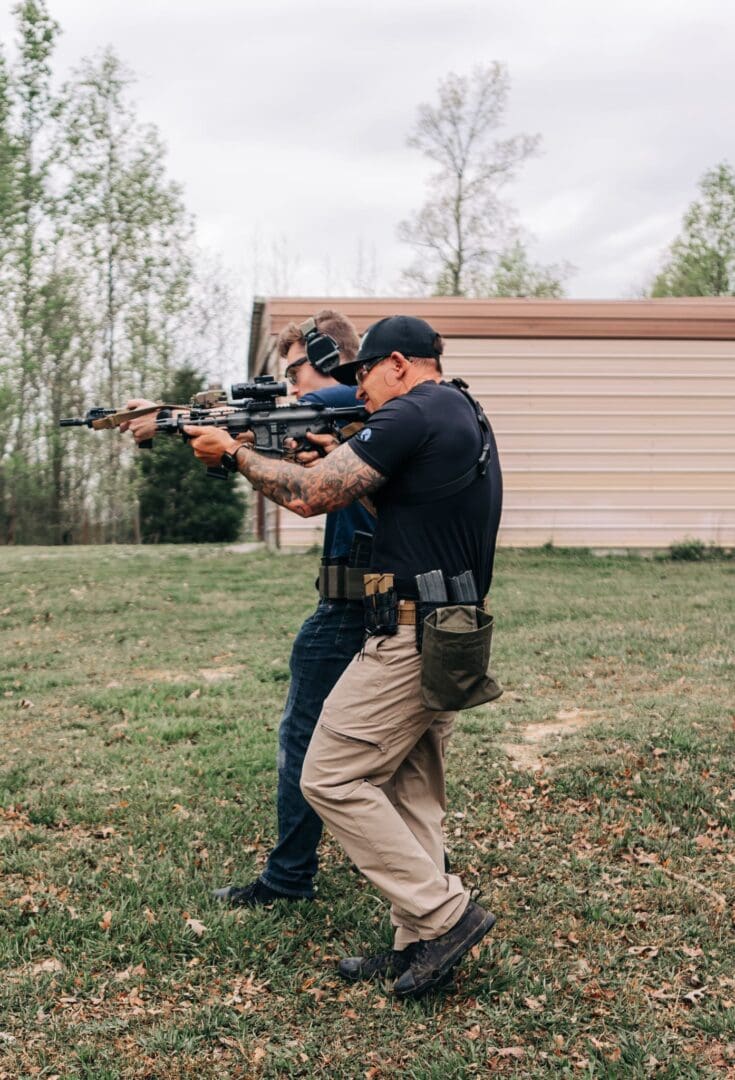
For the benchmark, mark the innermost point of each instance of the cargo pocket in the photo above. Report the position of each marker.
(348, 737)
(455, 659)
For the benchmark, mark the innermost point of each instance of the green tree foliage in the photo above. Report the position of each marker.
(179, 503)
(37, 33)
(8, 162)
(8, 157)
(101, 297)
(26, 118)
(701, 261)
(130, 234)
(515, 275)
(465, 228)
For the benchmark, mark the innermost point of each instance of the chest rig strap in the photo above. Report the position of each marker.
(479, 468)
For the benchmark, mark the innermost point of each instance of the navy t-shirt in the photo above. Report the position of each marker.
(341, 524)
(420, 441)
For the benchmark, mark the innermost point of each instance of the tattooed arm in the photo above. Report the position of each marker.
(334, 481)
(328, 444)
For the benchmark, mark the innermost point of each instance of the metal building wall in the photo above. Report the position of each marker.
(605, 442)
(609, 444)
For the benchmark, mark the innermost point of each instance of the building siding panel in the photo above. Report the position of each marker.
(619, 434)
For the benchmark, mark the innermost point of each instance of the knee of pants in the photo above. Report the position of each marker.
(321, 784)
(309, 785)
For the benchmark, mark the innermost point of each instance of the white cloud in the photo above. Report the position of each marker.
(288, 119)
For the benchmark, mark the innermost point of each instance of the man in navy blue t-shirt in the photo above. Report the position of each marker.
(323, 648)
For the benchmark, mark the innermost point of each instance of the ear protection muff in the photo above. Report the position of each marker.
(322, 351)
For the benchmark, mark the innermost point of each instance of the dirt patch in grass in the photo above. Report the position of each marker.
(537, 740)
(215, 675)
(207, 675)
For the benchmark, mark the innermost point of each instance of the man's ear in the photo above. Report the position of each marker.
(400, 364)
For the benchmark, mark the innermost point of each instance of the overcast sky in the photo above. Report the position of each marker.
(286, 119)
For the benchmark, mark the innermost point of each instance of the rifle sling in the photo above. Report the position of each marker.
(476, 470)
(115, 419)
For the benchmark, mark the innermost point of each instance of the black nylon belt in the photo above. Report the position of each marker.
(341, 582)
(409, 611)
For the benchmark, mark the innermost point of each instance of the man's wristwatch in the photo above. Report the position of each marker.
(228, 461)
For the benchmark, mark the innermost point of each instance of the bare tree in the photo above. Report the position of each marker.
(275, 265)
(364, 277)
(464, 225)
(214, 330)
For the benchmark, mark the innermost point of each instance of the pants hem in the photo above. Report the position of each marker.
(277, 887)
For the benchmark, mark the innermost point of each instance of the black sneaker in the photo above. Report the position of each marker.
(432, 961)
(256, 894)
(387, 965)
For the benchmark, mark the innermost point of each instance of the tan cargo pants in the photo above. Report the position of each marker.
(374, 772)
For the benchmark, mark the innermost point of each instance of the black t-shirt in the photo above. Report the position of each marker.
(420, 441)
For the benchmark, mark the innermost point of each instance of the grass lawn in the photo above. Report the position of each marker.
(593, 806)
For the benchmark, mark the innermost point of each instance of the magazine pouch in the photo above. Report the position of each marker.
(381, 604)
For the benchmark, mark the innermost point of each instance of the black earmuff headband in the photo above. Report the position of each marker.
(322, 351)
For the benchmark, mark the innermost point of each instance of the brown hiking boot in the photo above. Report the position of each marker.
(432, 961)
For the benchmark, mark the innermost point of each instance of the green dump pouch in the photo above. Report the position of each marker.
(455, 659)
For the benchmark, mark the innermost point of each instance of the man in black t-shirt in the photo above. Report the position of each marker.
(374, 771)
(422, 441)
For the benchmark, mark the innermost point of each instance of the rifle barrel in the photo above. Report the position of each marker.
(86, 421)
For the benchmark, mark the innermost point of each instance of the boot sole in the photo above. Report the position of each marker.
(387, 977)
(440, 975)
(377, 975)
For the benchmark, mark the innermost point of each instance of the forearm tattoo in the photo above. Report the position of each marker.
(337, 480)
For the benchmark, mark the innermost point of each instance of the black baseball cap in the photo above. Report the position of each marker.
(398, 333)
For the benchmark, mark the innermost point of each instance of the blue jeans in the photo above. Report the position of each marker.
(323, 648)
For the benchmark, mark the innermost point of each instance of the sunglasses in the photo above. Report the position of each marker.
(293, 368)
(363, 369)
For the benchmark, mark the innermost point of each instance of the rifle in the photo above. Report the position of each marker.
(271, 427)
(251, 406)
(263, 389)
(99, 418)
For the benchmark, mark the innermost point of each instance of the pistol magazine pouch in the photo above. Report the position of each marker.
(455, 659)
(381, 604)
